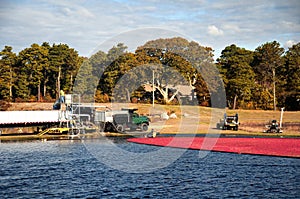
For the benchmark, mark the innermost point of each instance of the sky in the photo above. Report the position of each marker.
(92, 25)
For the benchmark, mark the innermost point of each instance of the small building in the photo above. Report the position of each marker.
(186, 93)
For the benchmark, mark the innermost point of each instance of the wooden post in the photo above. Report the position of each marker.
(281, 116)
(153, 88)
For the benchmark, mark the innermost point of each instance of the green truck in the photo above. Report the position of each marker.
(121, 121)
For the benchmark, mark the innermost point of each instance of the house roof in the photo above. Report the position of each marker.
(183, 89)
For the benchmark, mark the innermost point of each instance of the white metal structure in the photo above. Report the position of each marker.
(27, 117)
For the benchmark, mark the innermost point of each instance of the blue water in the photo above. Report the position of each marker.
(67, 169)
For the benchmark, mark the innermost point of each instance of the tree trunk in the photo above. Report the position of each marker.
(166, 96)
(173, 96)
(39, 91)
(274, 90)
(10, 84)
(234, 102)
(128, 94)
(162, 92)
(58, 82)
(45, 88)
(71, 83)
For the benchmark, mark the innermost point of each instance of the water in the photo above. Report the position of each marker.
(66, 169)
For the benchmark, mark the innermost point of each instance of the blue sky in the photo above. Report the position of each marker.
(87, 24)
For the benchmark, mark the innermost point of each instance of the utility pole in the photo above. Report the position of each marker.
(153, 97)
(274, 89)
(281, 116)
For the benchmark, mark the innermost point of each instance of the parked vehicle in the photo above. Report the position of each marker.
(121, 121)
(273, 127)
(229, 122)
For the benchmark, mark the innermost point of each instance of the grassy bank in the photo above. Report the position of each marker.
(199, 120)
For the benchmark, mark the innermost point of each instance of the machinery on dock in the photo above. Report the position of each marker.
(74, 117)
(229, 122)
(71, 117)
(55, 131)
(86, 116)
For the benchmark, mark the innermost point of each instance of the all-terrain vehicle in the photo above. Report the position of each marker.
(273, 127)
(229, 122)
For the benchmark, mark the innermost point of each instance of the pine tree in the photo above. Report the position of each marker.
(267, 63)
(7, 73)
(292, 77)
(237, 74)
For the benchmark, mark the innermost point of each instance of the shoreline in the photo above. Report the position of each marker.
(97, 135)
(192, 120)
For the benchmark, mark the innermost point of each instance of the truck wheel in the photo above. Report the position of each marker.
(109, 127)
(101, 126)
(120, 128)
(144, 127)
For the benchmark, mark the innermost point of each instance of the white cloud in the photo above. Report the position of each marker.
(84, 24)
(289, 43)
(84, 12)
(232, 28)
(213, 30)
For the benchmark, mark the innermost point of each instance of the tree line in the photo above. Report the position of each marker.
(266, 78)
(37, 73)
